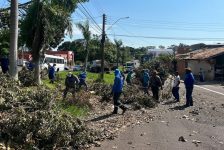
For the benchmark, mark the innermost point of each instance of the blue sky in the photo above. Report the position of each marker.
(198, 19)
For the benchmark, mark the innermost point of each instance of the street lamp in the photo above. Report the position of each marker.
(117, 21)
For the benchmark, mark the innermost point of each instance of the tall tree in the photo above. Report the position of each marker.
(84, 27)
(118, 44)
(13, 39)
(44, 26)
(162, 47)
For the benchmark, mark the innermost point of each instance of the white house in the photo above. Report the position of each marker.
(157, 52)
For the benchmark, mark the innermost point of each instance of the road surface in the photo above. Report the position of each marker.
(201, 126)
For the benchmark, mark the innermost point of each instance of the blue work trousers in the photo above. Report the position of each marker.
(175, 92)
(189, 99)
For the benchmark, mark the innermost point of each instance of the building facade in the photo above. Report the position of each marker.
(209, 61)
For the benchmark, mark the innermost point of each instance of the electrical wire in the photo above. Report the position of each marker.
(87, 17)
(169, 38)
(170, 22)
(88, 14)
(174, 28)
(84, 19)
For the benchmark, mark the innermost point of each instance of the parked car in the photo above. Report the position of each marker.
(96, 66)
(77, 68)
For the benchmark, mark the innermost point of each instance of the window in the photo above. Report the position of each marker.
(60, 61)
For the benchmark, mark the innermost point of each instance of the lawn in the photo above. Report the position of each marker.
(91, 77)
(72, 109)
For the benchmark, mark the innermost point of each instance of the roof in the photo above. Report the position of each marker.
(202, 54)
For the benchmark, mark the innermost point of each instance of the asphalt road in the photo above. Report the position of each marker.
(202, 125)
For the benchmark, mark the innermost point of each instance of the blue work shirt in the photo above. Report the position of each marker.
(189, 80)
(51, 71)
(118, 82)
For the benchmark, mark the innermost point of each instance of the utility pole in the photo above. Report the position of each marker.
(102, 47)
(13, 39)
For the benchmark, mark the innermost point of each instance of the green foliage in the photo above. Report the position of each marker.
(138, 52)
(163, 64)
(4, 20)
(4, 42)
(135, 96)
(84, 28)
(78, 48)
(102, 89)
(118, 43)
(33, 120)
(45, 23)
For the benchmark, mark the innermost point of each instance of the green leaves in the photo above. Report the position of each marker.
(52, 17)
(84, 27)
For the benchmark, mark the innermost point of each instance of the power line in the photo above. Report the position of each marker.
(20, 6)
(171, 22)
(129, 33)
(176, 28)
(89, 19)
(89, 15)
(83, 19)
(169, 38)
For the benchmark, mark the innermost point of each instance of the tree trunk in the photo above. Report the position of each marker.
(13, 40)
(87, 56)
(37, 71)
(36, 49)
(117, 57)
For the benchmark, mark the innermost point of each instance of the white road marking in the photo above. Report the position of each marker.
(209, 90)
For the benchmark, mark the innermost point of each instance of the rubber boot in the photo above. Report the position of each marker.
(124, 109)
(115, 110)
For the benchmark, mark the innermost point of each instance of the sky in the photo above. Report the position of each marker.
(160, 22)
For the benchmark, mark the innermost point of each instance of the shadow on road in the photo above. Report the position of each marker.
(170, 102)
(101, 117)
(178, 107)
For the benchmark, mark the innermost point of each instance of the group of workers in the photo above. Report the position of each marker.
(152, 82)
(148, 81)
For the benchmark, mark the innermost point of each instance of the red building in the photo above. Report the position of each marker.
(67, 55)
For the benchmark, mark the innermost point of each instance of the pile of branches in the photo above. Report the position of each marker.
(135, 96)
(131, 95)
(26, 77)
(103, 90)
(30, 119)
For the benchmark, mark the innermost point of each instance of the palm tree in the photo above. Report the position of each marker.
(84, 27)
(13, 39)
(118, 44)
